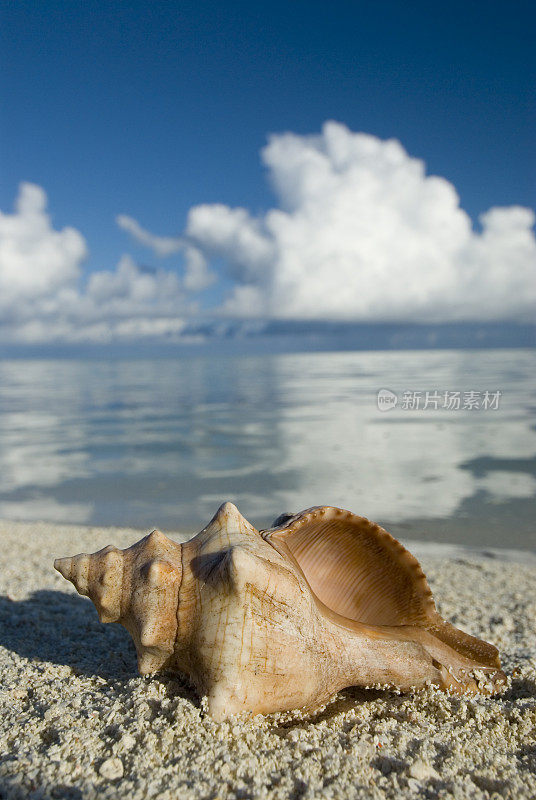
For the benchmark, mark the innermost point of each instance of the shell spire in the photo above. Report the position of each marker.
(137, 587)
(286, 617)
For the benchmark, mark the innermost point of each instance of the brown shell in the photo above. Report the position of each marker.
(283, 618)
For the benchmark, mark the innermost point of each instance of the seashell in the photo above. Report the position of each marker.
(280, 619)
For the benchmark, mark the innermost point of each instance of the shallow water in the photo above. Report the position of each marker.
(163, 442)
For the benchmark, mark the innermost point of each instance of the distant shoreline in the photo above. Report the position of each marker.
(228, 338)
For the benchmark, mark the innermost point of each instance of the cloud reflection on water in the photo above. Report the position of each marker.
(164, 442)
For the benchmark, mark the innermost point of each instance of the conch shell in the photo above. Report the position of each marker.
(265, 621)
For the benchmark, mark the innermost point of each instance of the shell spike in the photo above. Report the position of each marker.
(228, 517)
(64, 566)
(156, 539)
(98, 576)
(76, 570)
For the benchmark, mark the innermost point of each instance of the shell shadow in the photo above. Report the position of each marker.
(346, 700)
(61, 628)
(521, 689)
(64, 629)
(10, 789)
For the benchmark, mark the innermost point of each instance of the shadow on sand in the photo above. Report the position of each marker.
(64, 629)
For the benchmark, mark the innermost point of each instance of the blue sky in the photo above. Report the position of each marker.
(149, 110)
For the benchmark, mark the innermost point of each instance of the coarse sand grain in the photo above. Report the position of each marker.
(78, 722)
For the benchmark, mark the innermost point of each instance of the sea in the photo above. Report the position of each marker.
(435, 445)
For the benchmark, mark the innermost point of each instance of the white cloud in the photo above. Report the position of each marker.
(161, 245)
(361, 233)
(197, 276)
(42, 298)
(364, 234)
(232, 234)
(35, 260)
(196, 273)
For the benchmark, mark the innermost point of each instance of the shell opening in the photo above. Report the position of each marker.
(357, 569)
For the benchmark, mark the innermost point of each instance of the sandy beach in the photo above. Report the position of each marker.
(76, 721)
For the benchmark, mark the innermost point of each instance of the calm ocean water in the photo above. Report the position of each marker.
(163, 442)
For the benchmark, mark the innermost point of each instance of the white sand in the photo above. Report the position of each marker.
(76, 721)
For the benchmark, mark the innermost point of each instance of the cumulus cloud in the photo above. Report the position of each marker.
(362, 233)
(35, 260)
(231, 233)
(43, 297)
